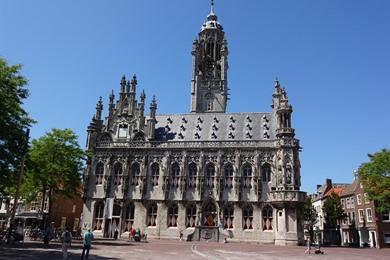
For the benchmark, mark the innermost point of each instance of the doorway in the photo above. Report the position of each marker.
(209, 214)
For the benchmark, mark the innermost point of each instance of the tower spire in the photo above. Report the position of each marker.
(212, 7)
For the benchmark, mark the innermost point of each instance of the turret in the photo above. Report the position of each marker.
(209, 90)
(151, 123)
(99, 108)
(141, 111)
(132, 101)
(283, 111)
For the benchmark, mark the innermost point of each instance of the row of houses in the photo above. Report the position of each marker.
(361, 227)
(66, 212)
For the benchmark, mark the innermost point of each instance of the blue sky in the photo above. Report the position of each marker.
(333, 57)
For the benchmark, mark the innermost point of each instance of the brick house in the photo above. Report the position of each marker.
(348, 227)
(374, 229)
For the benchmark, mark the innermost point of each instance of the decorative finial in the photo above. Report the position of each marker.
(212, 6)
(153, 104)
(112, 97)
(277, 82)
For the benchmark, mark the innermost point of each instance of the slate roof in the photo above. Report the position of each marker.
(215, 127)
(350, 188)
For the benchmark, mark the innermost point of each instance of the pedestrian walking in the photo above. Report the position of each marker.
(88, 237)
(66, 239)
(308, 246)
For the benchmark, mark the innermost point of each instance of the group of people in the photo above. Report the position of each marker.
(136, 235)
(66, 239)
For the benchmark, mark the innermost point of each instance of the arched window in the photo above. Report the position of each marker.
(99, 214)
(173, 212)
(175, 174)
(247, 176)
(228, 175)
(266, 172)
(192, 172)
(99, 172)
(210, 174)
(152, 215)
(129, 217)
(191, 215)
(228, 216)
(135, 174)
(155, 169)
(267, 218)
(116, 212)
(118, 174)
(247, 217)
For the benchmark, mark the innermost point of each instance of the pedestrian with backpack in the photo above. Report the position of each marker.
(66, 238)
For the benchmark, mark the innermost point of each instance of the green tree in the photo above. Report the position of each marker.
(309, 215)
(54, 166)
(333, 211)
(13, 122)
(375, 177)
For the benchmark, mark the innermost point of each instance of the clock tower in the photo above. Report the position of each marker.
(209, 90)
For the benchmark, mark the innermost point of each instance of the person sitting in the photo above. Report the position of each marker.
(132, 233)
(137, 235)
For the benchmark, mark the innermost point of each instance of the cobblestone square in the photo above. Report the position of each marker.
(168, 249)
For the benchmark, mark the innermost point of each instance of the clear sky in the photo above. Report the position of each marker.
(333, 57)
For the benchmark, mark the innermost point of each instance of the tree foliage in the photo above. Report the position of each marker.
(13, 121)
(309, 213)
(333, 211)
(375, 177)
(54, 165)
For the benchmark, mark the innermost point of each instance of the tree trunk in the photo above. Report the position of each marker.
(42, 206)
(48, 227)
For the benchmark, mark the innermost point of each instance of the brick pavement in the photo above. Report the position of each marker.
(170, 249)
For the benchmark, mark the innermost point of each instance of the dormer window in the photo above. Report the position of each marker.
(123, 131)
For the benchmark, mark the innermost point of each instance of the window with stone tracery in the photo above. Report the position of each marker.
(155, 172)
(210, 175)
(228, 176)
(152, 215)
(99, 173)
(247, 217)
(191, 216)
(118, 174)
(135, 174)
(99, 214)
(129, 217)
(267, 218)
(266, 172)
(175, 175)
(173, 212)
(192, 172)
(228, 217)
(247, 176)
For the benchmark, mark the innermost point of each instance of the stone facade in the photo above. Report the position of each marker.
(203, 173)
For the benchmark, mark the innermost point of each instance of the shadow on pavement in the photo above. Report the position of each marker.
(40, 251)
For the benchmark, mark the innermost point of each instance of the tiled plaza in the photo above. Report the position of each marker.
(173, 249)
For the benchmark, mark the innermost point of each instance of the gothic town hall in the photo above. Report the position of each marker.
(207, 174)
